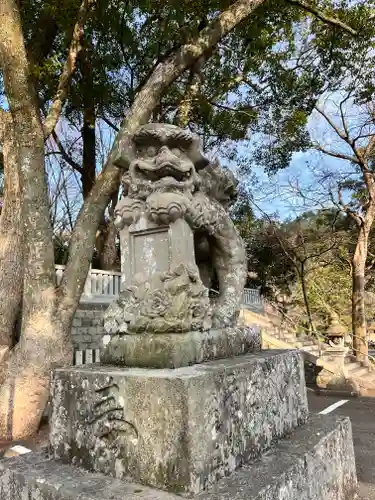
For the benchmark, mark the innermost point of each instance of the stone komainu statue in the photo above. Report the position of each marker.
(167, 177)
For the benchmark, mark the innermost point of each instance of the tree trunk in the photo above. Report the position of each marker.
(359, 325)
(11, 244)
(306, 298)
(108, 255)
(43, 344)
(106, 235)
(89, 156)
(89, 119)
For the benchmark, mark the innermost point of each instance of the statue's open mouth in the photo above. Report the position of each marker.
(165, 170)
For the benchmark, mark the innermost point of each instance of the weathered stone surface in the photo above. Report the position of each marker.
(315, 462)
(173, 213)
(35, 477)
(87, 327)
(173, 301)
(334, 374)
(178, 430)
(177, 350)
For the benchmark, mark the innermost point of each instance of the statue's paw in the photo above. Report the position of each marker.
(110, 326)
(223, 318)
(123, 327)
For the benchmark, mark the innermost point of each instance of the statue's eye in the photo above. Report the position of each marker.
(151, 151)
(176, 152)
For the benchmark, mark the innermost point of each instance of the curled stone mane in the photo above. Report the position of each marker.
(219, 183)
(159, 131)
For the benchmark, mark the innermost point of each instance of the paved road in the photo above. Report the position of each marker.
(362, 414)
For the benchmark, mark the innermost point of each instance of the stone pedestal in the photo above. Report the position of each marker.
(178, 430)
(333, 375)
(223, 430)
(179, 349)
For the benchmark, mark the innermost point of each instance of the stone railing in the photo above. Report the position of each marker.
(100, 287)
(252, 296)
(253, 300)
(104, 286)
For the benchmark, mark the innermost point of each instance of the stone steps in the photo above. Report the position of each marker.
(361, 376)
(368, 376)
(302, 472)
(359, 371)
(355, 365)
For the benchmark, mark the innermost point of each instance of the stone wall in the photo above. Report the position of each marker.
(87, 327)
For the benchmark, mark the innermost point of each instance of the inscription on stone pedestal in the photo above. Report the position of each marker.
(150, 251)
(106, 417)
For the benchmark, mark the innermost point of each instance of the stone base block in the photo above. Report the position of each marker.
(179, 430)
(335, 382)
(179, 349)
(315, 462)
(333, 374)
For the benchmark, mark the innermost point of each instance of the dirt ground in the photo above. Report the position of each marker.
(35, 443)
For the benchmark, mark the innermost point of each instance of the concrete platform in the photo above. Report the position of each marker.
(178, 430)
(314, 462)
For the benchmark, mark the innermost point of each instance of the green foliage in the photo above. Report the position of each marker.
(261, 82)
(314, 247)
(268, 266)
(256, 82)
(318, 246)
(329, 290)
(312, 60)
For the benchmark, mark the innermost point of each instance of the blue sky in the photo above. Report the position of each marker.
(280, 193)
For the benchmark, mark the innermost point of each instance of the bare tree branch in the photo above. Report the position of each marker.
(336, 154)
(343, 207)
(110, 123)
(334, 21)
(339, 132)
(371, 142)
(342, 114)
(69, 68)
(228, 108)
(69, 160)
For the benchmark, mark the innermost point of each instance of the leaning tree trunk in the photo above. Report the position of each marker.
(108, 254)
(359, 325)
(11, 245)
(43, 345)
